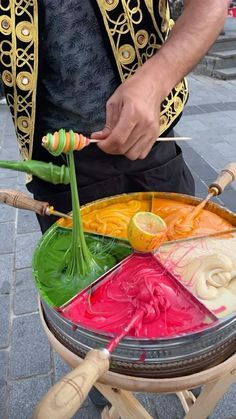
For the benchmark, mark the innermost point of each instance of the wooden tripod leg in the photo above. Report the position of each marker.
(110, 414)
(209, 397)
(124, 403)
(187, 399)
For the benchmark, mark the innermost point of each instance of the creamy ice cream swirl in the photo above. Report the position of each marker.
(214, 272)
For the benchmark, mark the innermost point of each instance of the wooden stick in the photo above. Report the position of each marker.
(92, 140)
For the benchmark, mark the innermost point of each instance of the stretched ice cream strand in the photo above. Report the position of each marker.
(78, 266)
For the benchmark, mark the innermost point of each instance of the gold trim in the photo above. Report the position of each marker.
(162, 8)
(163, 123)
(141, 38)
(24, 80)
(7, 78)
(110, 4)
(5, 25)
(149, 4)
(24, 124)
(13, 63)
(126, 54)
(24, 31)
(177, 103)
(35, 37)
(19, 66)
(171, 24)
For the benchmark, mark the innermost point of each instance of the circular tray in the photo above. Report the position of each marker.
(163, 358)
(180, 355)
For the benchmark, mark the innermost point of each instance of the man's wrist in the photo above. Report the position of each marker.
(160, 73)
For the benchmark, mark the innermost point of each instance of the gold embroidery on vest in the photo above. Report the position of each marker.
(124, 25)
(149, 4)
(143, 45)
(5, 24)
(19, 60)
(110, 4)
(164, 12)
(141, 38)
(162, 8)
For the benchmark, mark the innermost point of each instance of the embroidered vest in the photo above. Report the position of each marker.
(134, 33)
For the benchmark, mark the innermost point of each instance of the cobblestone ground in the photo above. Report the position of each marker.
(28, 366)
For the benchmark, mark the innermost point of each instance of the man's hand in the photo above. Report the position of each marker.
(132, 118)
(133, 111)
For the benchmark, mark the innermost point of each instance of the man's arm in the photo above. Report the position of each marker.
(191, 37)
(133, 111)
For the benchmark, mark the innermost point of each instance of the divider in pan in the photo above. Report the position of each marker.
(140, 282)
(182, 353)
(50, 257)
(44, 253)
(163, 357)
(207, 267)
(111, 216)
(141, 293)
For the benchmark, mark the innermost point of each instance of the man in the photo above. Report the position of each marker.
(107, 68)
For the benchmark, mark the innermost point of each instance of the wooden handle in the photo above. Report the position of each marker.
(226, 176)
(20, 200)
(65, 397)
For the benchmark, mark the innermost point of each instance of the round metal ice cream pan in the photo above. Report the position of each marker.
(162, 358)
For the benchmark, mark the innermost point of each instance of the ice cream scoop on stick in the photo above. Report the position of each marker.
(64, 141)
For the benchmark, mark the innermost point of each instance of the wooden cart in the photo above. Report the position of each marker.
(67, 395)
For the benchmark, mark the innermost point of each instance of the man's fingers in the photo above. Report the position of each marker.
(112, 117)
(141, 148)
(130, 137)
(129, 128)
(121, 138)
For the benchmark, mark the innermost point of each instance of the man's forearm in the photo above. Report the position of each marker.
(192, 35)
(133, 111)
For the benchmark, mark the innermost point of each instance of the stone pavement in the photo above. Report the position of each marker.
(210, 119)
(28, 366)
